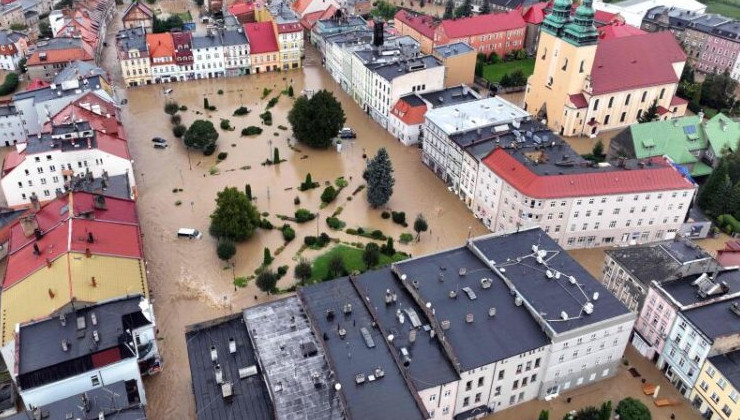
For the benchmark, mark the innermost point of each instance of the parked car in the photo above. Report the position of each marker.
(347, 133)
(167, 91)
(160, 145)
(159, 140)
(189, 233)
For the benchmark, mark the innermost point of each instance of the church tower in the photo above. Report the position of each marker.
(565, 54)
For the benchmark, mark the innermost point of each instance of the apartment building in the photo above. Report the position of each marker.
(133, 54)
(11, 14)
(12, 130)
(137, 15)
(717, 388)
(582, 85)
(162, 53)
(184, 57)
(290, 42)
(499, 33)
(634, 11)
(54, 55)
(459, 61)
(13, 48)
(49, 362)
(237, 60)
(264, 48)
(418, 26)
(208, 52)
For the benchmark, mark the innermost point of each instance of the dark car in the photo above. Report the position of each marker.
(159, 140)
(160, 145)
(347, 133)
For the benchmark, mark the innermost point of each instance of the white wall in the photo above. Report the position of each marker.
(440, 400)
(406, 134)
(207, 61)
(11, 130)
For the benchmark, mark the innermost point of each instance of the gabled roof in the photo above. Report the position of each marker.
(288, 27)
(91, 108)
(635, 61)
(160, 45)
(535, 13)
(421, 23)
(578, 100)
(261, 37)
(410, 109)
(61, 53)
(300, 6)
(241, 8)
(138, 6)
(722, 133)
(675, 138)
(618, 30)
(37, 84)
(482, 24)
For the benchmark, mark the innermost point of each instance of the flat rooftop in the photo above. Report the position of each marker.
(250, 396)
(47, 93)
(293, 362)
(728, 365)
(686, 293)
(561, 301)
(487, 339)
(117, 401)
(657, 261)
(401, 68)
(451, 96)
(716, 319)
(429, 366)
(456, 48)
(114, 186)
(371, 382)
(475, 114)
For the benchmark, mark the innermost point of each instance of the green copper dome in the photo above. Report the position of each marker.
(581, 30)
(558, 18)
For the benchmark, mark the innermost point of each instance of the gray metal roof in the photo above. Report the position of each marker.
(8, 37)
(47, 93)
(378, 397)
(716, 319)
(293, 360)
(115, 401)
(61, 43)
(728, 365)
(44, 143)
(412, 99)
(205, 41)
(234, 37)
(487, 339)
(77, 69)
(550, 297)
(114, 186)
(250, 397)
(130, 39)
(683, 291)
(7, 110)
(404, 67)
(40, 343)
(657, 261)
(456, 48)
(429, 365)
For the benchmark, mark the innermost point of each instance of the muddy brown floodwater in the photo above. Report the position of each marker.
(188, 282)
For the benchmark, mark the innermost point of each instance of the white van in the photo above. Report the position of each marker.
(189, 233)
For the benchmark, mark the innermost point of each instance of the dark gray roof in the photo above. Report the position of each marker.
(456, 48)
(728, 365)
(657, 261)
(450, 96)
(334, 24)
(130, 39)
(687, 294)
(206, 41)
(44, 143)
(485, 340)
(387, 397)
(361, 36)
(290, 355)
(429, 365)
(47, 93)
(401, 68)
(549, 297)
(8, 37)
(513, 4)
(250, 397)
(716, 319)
(40, 343)
(115, 401)
(412, 99)
(234, 37)
(7, 110)
(114, 186)
(61, 43)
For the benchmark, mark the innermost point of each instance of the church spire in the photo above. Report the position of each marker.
(558, 18)
(581, 30)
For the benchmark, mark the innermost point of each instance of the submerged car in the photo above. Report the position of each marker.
(347, 133)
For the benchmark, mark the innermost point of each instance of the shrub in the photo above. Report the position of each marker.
(388, 248)
(377, 234)
(206, 105)
(310, 240)
(329, 194)
(632, 409)
(220, 92)
(175, 119)
(266, 92)
(222, 156)
(225, 124)
(266, 117)
(251, 131)
(385, 215)
(209, 149)
(341, 182)
(225, 249)
(171, 108)
(406, 238)
(242, 110)
(179, 130)
(282, 270)
(272, 102)
(323, 240)
(265, 224)
(9, 85)
(728, 223)
(266, 257)
(288, 233)
(303, 216)
(212, 108)
(297, 201)
(183, 108)
(335, 223)
(266, 281)
(399, 218)
(290, 91)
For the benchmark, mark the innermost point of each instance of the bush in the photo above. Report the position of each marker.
(175, 119)
(406, 238)
(266, 257)
(282, 270)
(388, 248)
(222, 156)
(183, 108)
(209, 149)
(220, 92)
(385, 215)
(399, 218)
(266, 92)
(335, 223)
(242, 110)
(297, 201)
(179, 130)
(288, 233)
(225, 124)
(9, 85)
(251, 131)
(171, 108)
(323, 240)
(303, 216)
(341, 182)
(225, 249)
(728, 223)
(265, 224)
(266, 117)
(310, 240)
(266, 281)
(329, 194)
(212, 108)
(632, 409)
(272, 102)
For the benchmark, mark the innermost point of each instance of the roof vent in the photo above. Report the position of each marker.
(518, 301)
(572, 280)
(564, 315)
(412, 336)
(735, 308)
(347, 308)
(471, 294)
(415, 283)
(588, 308)
(549, 274)
(596, 296)
(379, 373)
(390, 297)
(232, 345)
(93, 318)
(453, 294)
(342, 333)
(492, 312)
(96, 336)
(462, 271)
(469, 318)
(445, 324)
(360, 378)
(214, 354)
(219, 374)
(63, 320)
(65, 345)
(485, 283)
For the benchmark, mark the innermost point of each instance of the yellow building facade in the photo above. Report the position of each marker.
(715, 393)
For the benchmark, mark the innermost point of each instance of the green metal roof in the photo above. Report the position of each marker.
(700, 169)
(676, 138)
(722, 132)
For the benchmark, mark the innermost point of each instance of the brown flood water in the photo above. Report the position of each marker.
(188, 282)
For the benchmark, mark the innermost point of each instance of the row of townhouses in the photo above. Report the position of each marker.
(422, 335)
(688, 322)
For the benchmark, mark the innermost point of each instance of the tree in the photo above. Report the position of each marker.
(449, 9)
(200, 134)
(22, 65)
(379, 178)
(248, 192)
(329, 194)
(371, 255)
(171, 108)
(632, 409)
(303, 271)
(465, 9)
(733, 202)
(606, 410)
(420, 225)
(486, 9)
(316, 121)
(45, 29)
(179, 130)
(225, 249)
(651, 114)
(267, 280)
(266, 257)
(385, 10)
(588, 413)
(422, 3)
(336, 265)
(290, 91)
(235, 217)
(276, 156)
(598, 149)
(544, 415)
(172, 22)
(718, 91)
(206, 105)
(479, 68)
(388, 249)
(713, 193)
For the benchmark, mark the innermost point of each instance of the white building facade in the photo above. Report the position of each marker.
(12, 127)
(208, 53)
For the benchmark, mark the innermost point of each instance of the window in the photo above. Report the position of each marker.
(703, 385)
(627, 100)
(715, 397)
(501, 375)
(95, 380)
(433, 397)
(721, 383)
(734, 396)
(727, 410)
(480, 382)
(536, 364)
(477, 397)
(468, 385)
(581, 70)
(644, 96)
(466, 401)
(515, 385)
(596, 105)
(519, 369)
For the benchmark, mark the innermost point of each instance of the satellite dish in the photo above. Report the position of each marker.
(403, 277)
(337, 386)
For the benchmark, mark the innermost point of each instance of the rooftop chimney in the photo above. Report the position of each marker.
(378, 33)
(29, 224)
(35, 202)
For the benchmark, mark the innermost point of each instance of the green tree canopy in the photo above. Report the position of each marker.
(371, 255)
(225, 249)
(200, 134)
(718, 91)
(588, 413)
(317, 121)
(384, 10)
(235, 217)
(379, 178)
(267, 280)
(336, 265)
(651, 114)
(714, 193)
(420, 225)
(464, 10)
(303, 271)
(632, 409)
(449, 10)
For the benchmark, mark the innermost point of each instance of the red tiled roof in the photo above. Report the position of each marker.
(409, 114)
(115, 231)
(535, 13)
(160, 45)
(309, 19)
(423, 24)
(578, 100)
(91, 108)
(300, 6)
(635, 61)
(12, 160)
(8, 49)
(286, 28)
(662, 110)
(241, 8)
(37, 84)
(482, 24)
(618, 30)
(116, 146)
(60, 56)
(728, 258)
(585, 184)
(137, 5)
(261, 37)
(602, 16)
(677, 100)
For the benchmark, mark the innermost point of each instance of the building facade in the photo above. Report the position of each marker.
(493, 33)
(717, 388)
(12, 127)
(133, 53)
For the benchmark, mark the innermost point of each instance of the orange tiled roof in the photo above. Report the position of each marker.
(160, 45)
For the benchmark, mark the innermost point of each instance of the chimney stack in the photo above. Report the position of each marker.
(88, 253)
(29, 224)
(378, 33)
(35, 204)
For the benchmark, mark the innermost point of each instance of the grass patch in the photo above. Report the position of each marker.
(494, 72)
(352, 261)
(729, 8)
